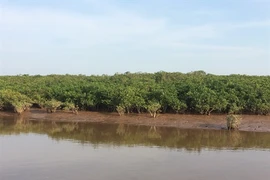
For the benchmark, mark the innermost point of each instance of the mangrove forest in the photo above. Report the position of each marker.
(161, 92)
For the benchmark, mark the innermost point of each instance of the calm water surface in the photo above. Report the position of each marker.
(88, 151)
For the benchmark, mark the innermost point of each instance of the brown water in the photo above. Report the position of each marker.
(88, 151)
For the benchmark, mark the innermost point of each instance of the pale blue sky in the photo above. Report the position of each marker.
(109, 36)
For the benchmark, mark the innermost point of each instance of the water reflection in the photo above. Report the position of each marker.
(121, 134)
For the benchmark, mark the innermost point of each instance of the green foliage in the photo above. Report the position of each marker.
(52, 105)
(120, 109)
(206, 100)
(10, 99)
(68, 106)
(178, 106)
(153, 108)
(264, 108)
(195, 92)
(169, 98)
(20, 107)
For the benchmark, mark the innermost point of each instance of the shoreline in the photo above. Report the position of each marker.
(251, 123)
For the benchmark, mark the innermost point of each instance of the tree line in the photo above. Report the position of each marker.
(195, 93)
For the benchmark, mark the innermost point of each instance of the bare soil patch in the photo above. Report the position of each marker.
(248, 123)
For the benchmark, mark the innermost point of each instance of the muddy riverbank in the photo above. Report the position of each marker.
(249, 122)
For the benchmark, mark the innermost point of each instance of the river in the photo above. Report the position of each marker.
(32, 150)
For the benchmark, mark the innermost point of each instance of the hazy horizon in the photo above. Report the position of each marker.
(95, 37)
(112, 74)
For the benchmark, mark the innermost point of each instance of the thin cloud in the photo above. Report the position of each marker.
(95, 29)
(46, 31)
(250, 24)
(260, 1)
(220, 48)
(205, 12)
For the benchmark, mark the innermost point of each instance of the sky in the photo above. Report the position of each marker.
(115, 36)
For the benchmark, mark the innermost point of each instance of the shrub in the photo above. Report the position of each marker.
(153, 108)
(10, 99)
(121, 110)
(52, 105)
(68, 106)
(233, 121)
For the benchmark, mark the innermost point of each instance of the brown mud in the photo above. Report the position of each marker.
(256, 123)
